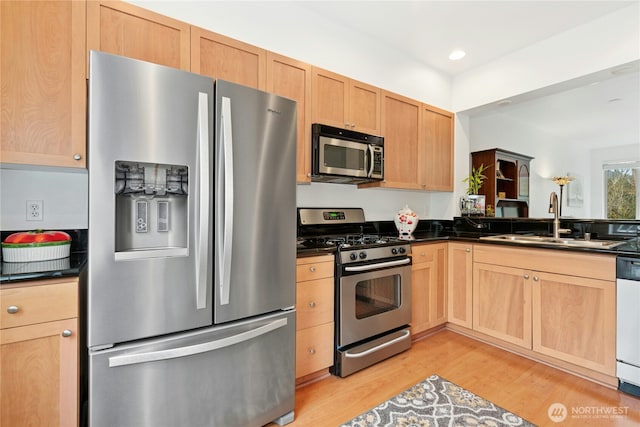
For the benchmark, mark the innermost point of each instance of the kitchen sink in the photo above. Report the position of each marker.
(561, 241)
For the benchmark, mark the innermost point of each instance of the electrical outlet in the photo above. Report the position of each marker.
(35, 210)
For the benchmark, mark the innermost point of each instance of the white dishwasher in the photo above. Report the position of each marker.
(628, 324)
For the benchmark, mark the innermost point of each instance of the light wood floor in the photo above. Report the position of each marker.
(517, 384)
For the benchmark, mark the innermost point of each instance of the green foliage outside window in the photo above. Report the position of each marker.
(621, 192)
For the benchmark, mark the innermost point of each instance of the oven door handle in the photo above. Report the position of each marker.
(404, 335)
(379, 265)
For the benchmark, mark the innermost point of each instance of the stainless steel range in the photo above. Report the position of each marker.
(372, 286)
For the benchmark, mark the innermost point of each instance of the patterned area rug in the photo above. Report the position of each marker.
(437, 402)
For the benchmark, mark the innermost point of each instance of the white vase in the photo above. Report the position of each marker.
(406, 221)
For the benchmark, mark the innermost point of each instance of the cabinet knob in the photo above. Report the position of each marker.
(312, 350)
(66, 333)
(312, 269)
(77, 156)
(536, 278)
(312, 304)
(12, 309)
(526, 276)
(467, 250)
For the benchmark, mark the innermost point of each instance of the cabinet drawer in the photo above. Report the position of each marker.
(27, 305)
(314, 269)
(314, 349)
(314, 302)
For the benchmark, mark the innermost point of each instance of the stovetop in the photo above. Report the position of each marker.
(347, 241)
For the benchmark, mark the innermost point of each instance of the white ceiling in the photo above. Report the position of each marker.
(429, 30)
(487, 30)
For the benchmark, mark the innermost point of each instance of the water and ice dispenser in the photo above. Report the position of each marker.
(151, 206)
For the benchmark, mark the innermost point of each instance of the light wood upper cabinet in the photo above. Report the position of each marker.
(43, 88)
(459, 284)
(224, 58)
(436, 149)
(345, 103)
(127, 30)
(574, 319)
(292, 79)
(428, 286)
(401, 131)
(39, 354)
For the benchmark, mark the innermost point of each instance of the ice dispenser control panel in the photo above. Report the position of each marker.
(151, 205)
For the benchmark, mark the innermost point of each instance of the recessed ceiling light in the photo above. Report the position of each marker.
(457, 54)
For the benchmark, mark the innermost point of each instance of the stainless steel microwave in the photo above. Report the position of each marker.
(345, 156)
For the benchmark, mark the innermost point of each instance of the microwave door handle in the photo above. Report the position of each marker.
(202, 223)
(226, 202)
(371, 162)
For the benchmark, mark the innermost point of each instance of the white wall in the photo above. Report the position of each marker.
(607, 42)
(64, 193)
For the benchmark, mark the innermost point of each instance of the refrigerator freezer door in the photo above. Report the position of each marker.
(255, 227)
(146, 117)
(235, 375)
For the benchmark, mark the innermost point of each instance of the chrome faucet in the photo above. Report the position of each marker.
(553, 208)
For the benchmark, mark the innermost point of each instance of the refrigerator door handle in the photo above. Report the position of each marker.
(202, 231)
(226, 156)
(174, 353)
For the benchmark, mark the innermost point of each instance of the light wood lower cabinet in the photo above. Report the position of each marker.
(562, 306)
(574, 320)
(428, 286)
(314, 319)
(39, 354)
(460, 284)
(502, 303)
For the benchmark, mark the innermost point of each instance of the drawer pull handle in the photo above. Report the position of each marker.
(12, 309)
(66, 333)
(312, 269)
(312, 350)
(77, 157)
(312, 304)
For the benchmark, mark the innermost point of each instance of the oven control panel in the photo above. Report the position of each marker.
(350, 256)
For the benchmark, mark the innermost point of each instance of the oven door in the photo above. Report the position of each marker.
(340, 157)
(373, 302)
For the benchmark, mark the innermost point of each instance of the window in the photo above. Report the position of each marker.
(622, 190)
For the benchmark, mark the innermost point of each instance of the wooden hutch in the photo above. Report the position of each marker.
(507, 185)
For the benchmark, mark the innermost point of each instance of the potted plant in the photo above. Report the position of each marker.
(474, 203)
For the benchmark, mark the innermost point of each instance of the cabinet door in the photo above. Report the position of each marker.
(459, 284)
(364, 108)
(428, 286)
(574, 320)
(39, 371)
(330, 92)
(224, 58)
(401, 130)
(436, 149)
(43, 91)
(292, 79)
(126, 30)
(502, 303)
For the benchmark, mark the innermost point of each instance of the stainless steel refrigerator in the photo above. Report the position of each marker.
(190, 283)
